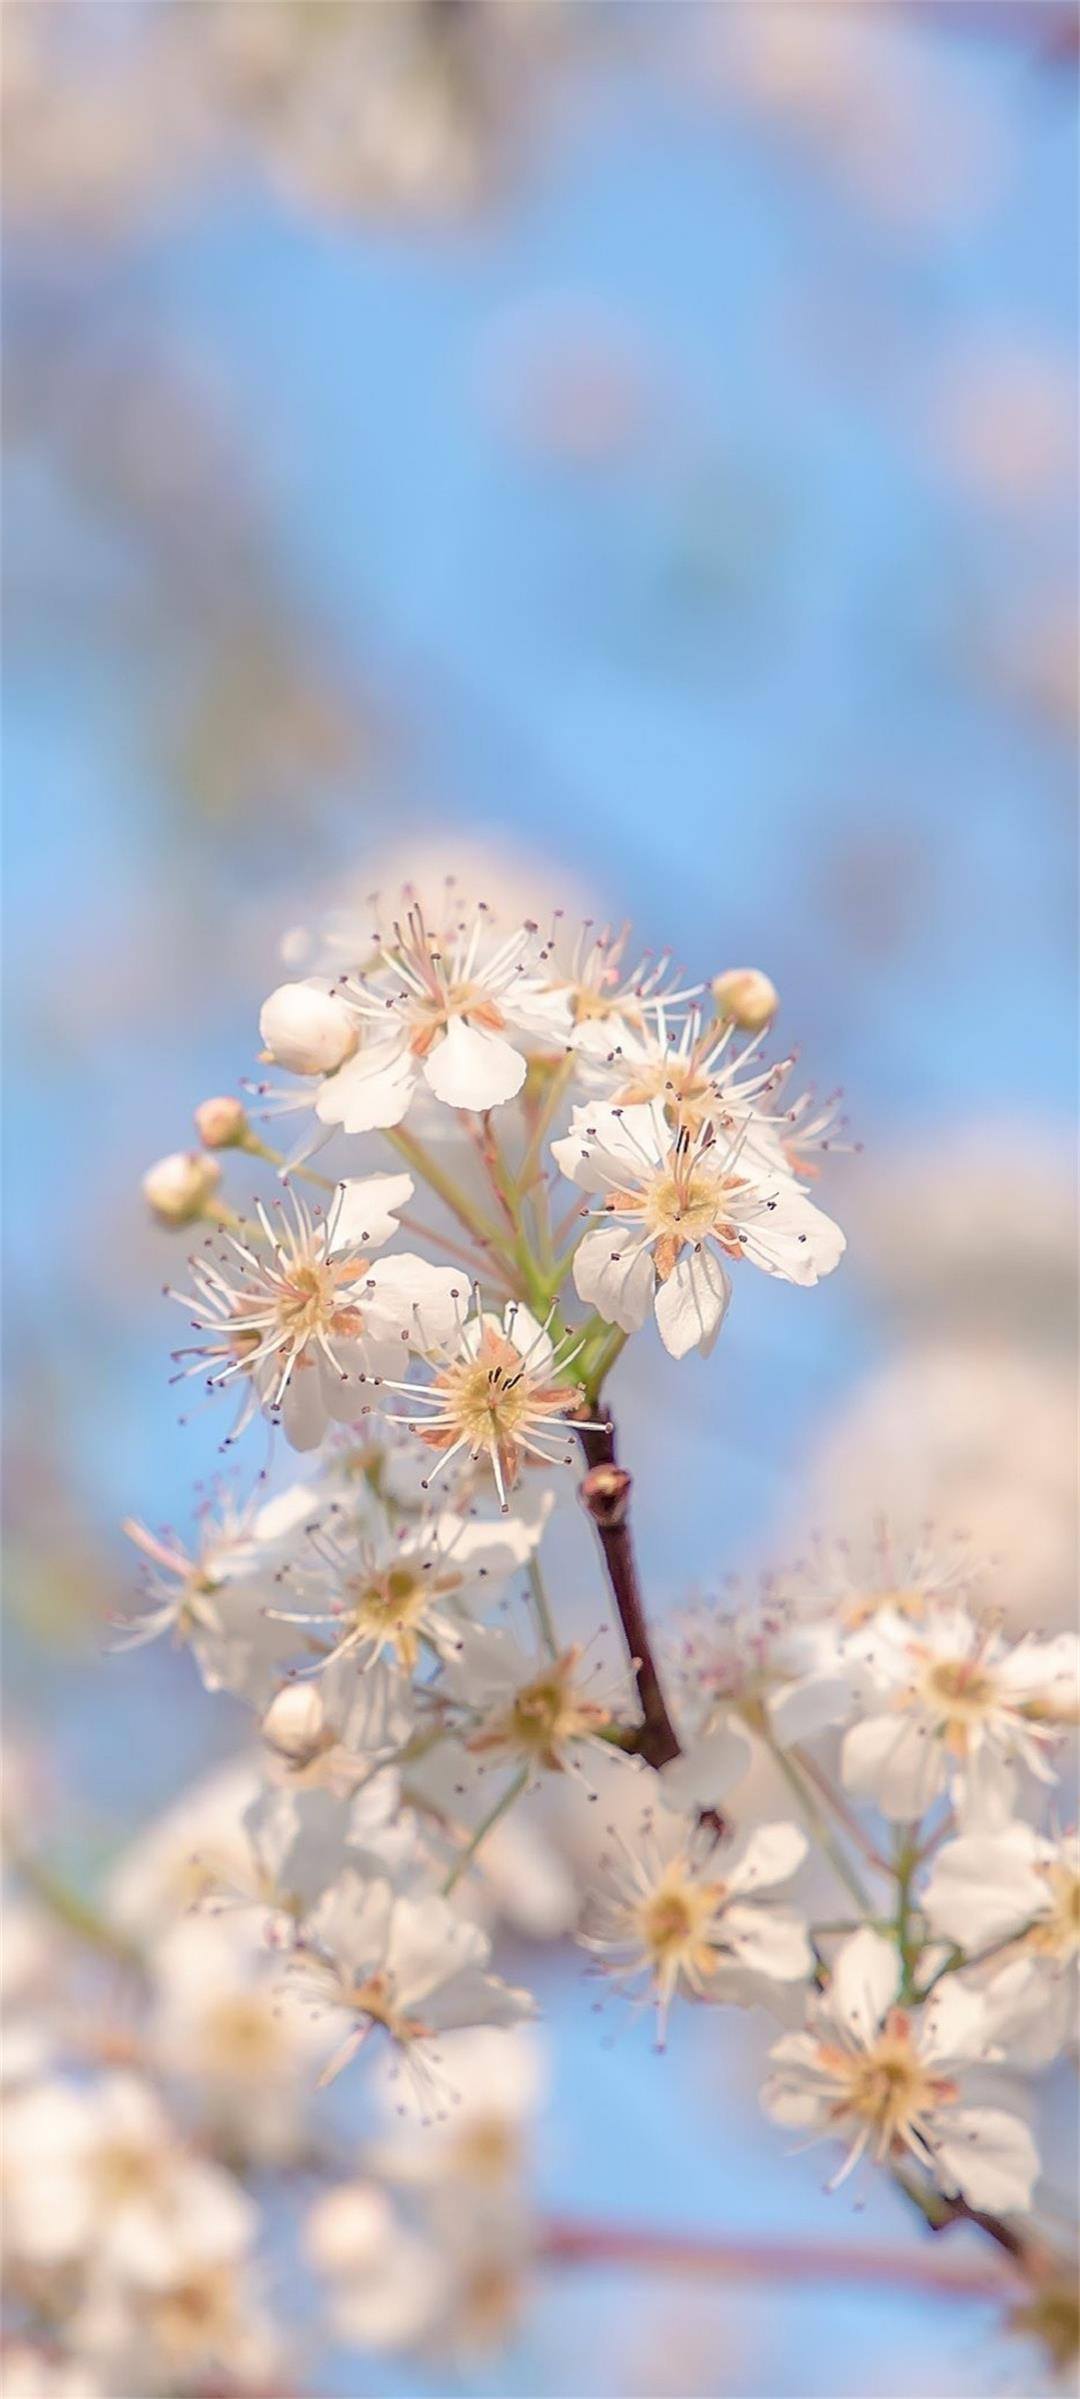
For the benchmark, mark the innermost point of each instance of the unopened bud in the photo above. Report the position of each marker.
(746, 997)
(306, 1030)
(177, 1189)
(221, 1124)
(295, 1721)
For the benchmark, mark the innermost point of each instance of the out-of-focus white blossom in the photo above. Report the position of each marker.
(373, 1959)
(1013, 1896)
(951, 1706)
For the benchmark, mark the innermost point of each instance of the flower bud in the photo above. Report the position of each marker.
(221, 1124)
(746, 997)
(306, 1030)
(178, 1187)
(295, 1721)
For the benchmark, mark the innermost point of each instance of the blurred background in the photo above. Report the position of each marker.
(628, 454)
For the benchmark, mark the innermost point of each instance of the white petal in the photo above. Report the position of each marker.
(865, 1979)
(406, 1295)
(889, 1760)
(372, 1091)
(988, 2156)
(469, 1068)
(364, 1212)
(707, 1768)
(429, 1943)
(984, 1887)
(614, 1278)
(798, 1242)
(303, 1406)
(772, 1854)
(802, 1710)
(607, 1147)
(771, 1941)
(956, 2025)
(691, 1305)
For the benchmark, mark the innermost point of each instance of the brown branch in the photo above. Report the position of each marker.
(605, 1496)
(574, 2244)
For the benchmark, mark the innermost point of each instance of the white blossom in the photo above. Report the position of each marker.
(97, 2174)
(452, 1009)
(764, 1669)
(676, 1205)
(951, 1706)
(532, 1714)
(674, 1910)
(1015, 1894)
(302, 1319)
(888, 2080)
(496, 1395)
(374, 1959)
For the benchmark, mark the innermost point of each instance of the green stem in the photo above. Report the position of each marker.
(593, 1372)
(528, 1170)
(417, 1155)
(253, 1147)
(904, 1864)
(487, 1823)
(542, 1604)
(69, 1909)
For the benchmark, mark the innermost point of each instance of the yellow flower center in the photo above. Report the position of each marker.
(962, 1695)
(375, 1999)
(677, 1923)
(886, 2087)
(197, 2315)
(124, 2170)
(1057, 1935)
(544, 1716)
(241, 2038)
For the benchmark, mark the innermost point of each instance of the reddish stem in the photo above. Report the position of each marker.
(574, 2244)
(605, 1494)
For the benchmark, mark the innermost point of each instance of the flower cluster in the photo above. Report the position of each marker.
(834, 1801)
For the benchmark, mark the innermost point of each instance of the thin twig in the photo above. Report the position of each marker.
(605, 1495)
(571, 2243)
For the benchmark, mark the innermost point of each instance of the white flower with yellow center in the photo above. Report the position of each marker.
(497, 1396)
(887, 2081)
(213, 1595)
(450, 1010)
(390, 1590)
(375, 1960)
(952, 1706)
(676, 1205)
(301, 1318)
(699, 1071)
(536, 1715)
(610, 1004)
(677, 1913)
(1015, 1893)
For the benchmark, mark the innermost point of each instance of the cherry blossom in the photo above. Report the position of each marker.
(888, 2080)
